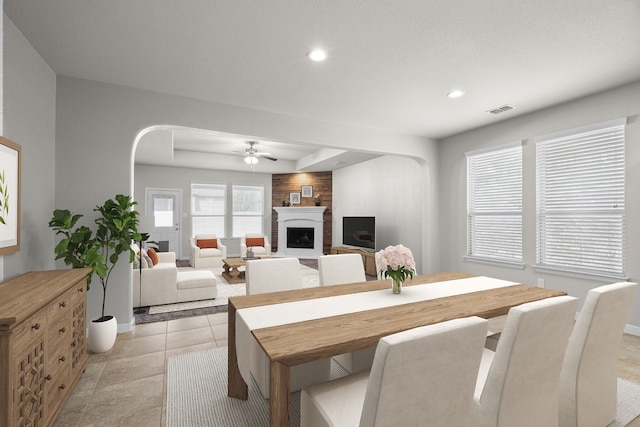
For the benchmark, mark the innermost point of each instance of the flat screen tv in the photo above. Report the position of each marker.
(359, 231)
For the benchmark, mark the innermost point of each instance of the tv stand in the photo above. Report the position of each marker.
(368, 257)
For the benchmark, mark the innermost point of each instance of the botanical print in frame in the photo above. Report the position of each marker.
(10, 169)
(307, 190)
(294, 198)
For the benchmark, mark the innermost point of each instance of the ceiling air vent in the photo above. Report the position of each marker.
(501, 109)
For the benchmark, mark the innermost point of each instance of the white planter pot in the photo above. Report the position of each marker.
(102, 335)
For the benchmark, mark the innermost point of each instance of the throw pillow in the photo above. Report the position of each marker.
(146, 260)
(136, 262)
(207, 243)
(255, 241)
(153, 255)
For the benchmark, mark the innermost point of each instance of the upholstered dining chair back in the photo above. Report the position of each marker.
(341, 268)
(588, 382)
(337, 270)
(420, 377)
(274, 275)
(518, 384)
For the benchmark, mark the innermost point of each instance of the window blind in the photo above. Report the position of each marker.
(248, 208)
(580, 200)
(208, 206)
(494, 204)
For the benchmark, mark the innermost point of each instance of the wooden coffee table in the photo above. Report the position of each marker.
(232, 272)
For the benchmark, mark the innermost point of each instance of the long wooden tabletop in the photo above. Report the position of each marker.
(296, 343)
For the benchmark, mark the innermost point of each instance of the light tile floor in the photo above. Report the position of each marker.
(127, 387)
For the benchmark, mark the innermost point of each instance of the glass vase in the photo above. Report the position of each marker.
(396, 286)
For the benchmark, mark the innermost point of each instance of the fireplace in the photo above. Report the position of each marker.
(300, 231)
(300, 237)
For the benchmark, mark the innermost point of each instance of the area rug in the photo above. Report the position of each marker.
(197, 395)
(161, 313)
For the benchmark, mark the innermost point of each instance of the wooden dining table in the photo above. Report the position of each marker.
(292, 344)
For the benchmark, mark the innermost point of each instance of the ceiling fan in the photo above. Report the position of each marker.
(251, 154)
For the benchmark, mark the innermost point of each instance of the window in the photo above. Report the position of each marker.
(208, 209)
(494, 204)
(580, 200)
(248, 209)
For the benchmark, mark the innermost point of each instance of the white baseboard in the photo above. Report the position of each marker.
(126, 327)
(632, 330)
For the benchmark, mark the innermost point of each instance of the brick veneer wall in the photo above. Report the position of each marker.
(283, 184)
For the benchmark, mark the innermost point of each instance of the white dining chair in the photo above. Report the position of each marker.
(422, 376)
(589, 379)
(274, 275)
(337, 270)
(518, 383)
(340, 269)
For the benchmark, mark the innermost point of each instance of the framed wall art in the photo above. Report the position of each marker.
(10, 170)
(294, 198)
(307, 191)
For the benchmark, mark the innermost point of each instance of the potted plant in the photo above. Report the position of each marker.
(117, 228)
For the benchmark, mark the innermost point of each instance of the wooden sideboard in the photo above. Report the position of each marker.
(368, 257)
(43, 347)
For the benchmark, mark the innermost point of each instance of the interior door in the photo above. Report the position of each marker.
(165, 205)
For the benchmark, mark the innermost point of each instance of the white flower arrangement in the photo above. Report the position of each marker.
(396, 262)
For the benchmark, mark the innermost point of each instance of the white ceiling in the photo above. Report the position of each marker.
(390, 65)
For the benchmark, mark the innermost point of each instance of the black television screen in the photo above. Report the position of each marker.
(359, 231)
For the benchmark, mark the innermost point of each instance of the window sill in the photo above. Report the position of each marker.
(496, 262)
(579, 274)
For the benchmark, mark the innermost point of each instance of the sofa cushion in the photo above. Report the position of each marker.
(255, 241)
(196, 279)
(153, 255)
(207, 253)
(207, 243)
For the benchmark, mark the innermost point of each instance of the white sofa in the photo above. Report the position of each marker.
(164, 284)
(208, 257)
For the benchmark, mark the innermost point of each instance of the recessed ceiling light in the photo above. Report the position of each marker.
(455, 93)
(317, 55)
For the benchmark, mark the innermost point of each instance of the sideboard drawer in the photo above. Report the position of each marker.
(59, 307)
(30, 329)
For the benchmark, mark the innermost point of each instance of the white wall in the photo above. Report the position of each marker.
(95, 130)
(389, 188)
(29, 120)
(181, 178)
(623, 101)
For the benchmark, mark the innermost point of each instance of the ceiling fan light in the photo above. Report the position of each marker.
(317, 55)
(251, 160)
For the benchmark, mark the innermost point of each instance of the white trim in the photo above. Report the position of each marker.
(494, 148)
(588, 128)
(578, 274)
(632, 330)
(496, 262)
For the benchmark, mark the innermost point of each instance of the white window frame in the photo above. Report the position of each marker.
(580, 201)
(197, 214)
(494, 205)
(258, 214)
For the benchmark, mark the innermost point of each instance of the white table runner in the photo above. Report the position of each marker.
(248, 319)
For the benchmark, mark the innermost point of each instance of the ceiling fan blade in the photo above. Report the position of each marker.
(269, 158)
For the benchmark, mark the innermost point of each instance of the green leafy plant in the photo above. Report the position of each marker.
(4, 198)
(117, 228)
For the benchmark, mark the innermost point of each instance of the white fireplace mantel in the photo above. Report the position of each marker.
(303, 216)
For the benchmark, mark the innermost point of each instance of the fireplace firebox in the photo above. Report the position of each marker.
(300, 237)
